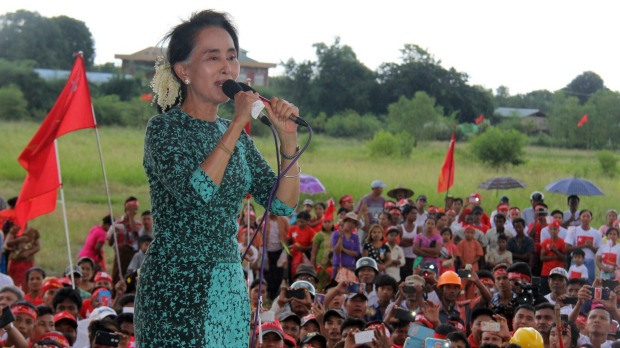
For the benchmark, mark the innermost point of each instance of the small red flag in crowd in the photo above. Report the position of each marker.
(583, 120)
(479, 119)
(72, 111)
(446, 177)
(147, 97)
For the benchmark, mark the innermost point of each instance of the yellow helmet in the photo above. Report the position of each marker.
(449, 277)
(528, 337)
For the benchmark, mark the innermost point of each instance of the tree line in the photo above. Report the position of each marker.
(416, 99)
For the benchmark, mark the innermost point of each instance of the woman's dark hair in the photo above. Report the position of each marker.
(323, 205)
(182, 38)
(106, 324)
(130, 199)
(35, 269)
(574, 331)
(107, 220)
(459, 336)
(446, 229)
(439, 216)
(342, 210)
(303, 215)
(128, 298)
(612, 229)
(407, 209)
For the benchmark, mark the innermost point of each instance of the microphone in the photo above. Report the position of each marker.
(293, 118)
(231, 88)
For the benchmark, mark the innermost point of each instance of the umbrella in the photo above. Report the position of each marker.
(502, 183)
(574, 186)
(310, 184)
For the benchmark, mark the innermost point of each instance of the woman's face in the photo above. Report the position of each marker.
(328, 225)
(585, 218)
(35, 281)
(611, 217)
(412, 216)
(212, 61)
(553, 338)
(376, 234)
(87, 271)
(318, 210)
(612, 235)
(429, 225)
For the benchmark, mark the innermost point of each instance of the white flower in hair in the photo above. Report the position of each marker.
(164, 85)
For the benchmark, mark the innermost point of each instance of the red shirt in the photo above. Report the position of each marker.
(302, 236)
(35, 301)
(546, 250)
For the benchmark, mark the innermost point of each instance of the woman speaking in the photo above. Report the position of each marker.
(199, 166)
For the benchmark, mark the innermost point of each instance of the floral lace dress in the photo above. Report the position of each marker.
(191, 291)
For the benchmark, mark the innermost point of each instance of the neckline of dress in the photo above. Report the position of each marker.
(192, 118)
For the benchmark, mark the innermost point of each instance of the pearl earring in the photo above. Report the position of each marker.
(187, 81)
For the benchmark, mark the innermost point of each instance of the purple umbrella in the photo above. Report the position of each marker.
(310, 184)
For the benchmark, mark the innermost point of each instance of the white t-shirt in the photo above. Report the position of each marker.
(396, 253)
(578, 271)
(610, 255)
(567, 309)
(492, 237)
(586, 340)
(544, 233)
(408, 251)
(579, 237)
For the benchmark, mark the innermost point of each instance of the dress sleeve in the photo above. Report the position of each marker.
(171, 163)
(263, 178)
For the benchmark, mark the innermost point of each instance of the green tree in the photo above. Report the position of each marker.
(584, 86)
(418, 116)
(13, 105)
(36, 91)
(50, 42)
(562, 121)
(499, 148)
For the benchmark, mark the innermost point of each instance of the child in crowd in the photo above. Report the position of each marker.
(449, 252)
(300, 238)
(578, 269)
(501, 255)
(396, 253)
(552, 253)
(470, 250)
(144, 241)
(607, 258)
(375, 248)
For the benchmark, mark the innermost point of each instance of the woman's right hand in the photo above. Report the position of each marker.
(243, 106)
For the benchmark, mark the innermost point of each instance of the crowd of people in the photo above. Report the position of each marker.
(380, 272)
(451, 273)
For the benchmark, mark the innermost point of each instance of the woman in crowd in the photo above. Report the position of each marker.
(88, 269)
(375, 247)
(346, 244)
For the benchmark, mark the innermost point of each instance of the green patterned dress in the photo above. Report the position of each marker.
(191, 291)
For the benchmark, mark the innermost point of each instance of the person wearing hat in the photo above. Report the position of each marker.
(49, 289)
(103, 279)
(306, 272)
(53, 339)
(309, 324)
(25, 317)
(528, 337)
(308, 205)
(272, 334)
(552, 254)
(528, 214)
(400, 192)
(558, 216)
(449, 286)
(332, 320)
(346, 244)
(347, 202)
(558, 283)
(366, 269)
(372, 203)
(291, 323)
(313, 340)
(65, 323)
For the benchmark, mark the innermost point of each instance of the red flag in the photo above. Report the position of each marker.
(446, 177)
(329, 211)
(583, 120)
(247, 128)
(479, 119)
(72, 111)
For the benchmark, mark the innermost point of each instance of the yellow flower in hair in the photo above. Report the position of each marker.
(164, 85)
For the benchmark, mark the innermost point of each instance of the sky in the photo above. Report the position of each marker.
(525, 45)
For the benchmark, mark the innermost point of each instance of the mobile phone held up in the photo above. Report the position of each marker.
(106, 338)
(464, 273)
(353, 288)
(7, 316)
(295, 293)
(404, 315)
(600, 294)
(364, 337)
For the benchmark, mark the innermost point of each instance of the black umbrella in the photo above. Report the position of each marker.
(502, 183)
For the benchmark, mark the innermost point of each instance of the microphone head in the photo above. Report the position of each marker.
(230, 88)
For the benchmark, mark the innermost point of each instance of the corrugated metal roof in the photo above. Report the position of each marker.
(518, 112)
(93, 77)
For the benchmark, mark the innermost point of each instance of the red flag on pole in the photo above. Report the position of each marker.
(583, 120)
(72, 111)
(446, 177)
(479, 119)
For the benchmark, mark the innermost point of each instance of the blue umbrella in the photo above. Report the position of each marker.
(574, 186)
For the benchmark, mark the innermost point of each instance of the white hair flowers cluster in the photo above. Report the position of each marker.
(164, 85)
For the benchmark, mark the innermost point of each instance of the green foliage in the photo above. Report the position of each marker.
(418, 116)
(36, 91)
(386, 144)
(14, 106)
(499, 148)
(124, 88)
(584, 86)
(608, 162)
(48, 41)
(351, 124)
(110, 110)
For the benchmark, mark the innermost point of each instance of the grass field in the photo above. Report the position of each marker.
(342, 165)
